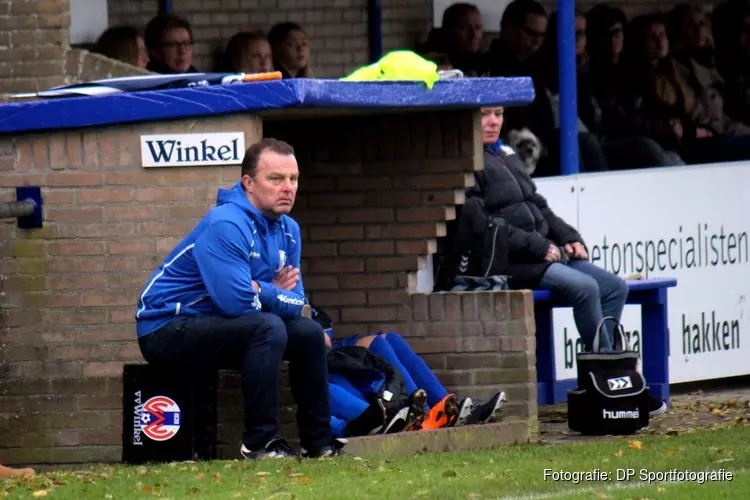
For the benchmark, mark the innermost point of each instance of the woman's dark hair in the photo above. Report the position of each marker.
(237, 46)
(160, 26)
(120, 43)
(276, 37)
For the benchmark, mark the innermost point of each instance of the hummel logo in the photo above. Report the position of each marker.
(619, 383)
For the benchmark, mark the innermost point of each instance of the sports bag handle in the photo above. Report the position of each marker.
(619, 333)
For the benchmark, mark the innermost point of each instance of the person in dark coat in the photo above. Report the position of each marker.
(543, 250)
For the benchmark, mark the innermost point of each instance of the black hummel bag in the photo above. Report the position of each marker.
(612, 396)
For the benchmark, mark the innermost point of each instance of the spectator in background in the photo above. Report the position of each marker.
(248, 52)
(123, 43)
(169, 40)
(516, 52)
(731, 30)
(291, 50)
(459, 37)
(693, 51)
(673, 115)
(618, 153)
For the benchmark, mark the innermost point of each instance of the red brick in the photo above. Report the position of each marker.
(420, 307)
(108, 333)
(437, 181)
(109, 298)
(73, 179)
(443, 197)
(369, 215)
(98, 369)
(106, 195)
(433, 345)
(420, 214)
(387, 297)
(335, 233)
(132, 212)
(362, 183)
(319, 250)
(416, 247)
(366, 248)
(76, 282)
(320, 282)
(361, 314)
(74, 214)
(341, 264)
(77, 248)
(74, 149)
(151, 194)
(404, 263)
(76, 317)
(413, 230)
(338, 200)
(108, 149)
(393, 198)
(453, 307)
(367, 281)
(348, 298)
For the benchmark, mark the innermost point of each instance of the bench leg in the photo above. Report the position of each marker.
(656, 345)
(545, 354)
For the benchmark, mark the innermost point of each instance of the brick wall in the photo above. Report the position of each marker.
(375, 195)
(69, 289)
(35, 52)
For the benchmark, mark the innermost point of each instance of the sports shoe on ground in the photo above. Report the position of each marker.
(464, 410)
(371, 421)
(409, 417)
(335, 449)
(656, 406)
(482, 412)
(278, 448)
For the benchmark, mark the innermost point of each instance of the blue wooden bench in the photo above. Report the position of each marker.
(651, 295)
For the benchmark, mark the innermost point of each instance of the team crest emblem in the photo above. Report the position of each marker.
(160, 418)
(282, 260)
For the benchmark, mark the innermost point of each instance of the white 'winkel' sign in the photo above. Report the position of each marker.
(190, 150)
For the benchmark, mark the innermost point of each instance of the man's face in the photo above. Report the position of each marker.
(468, 31)
(530, 37)
(274, 187)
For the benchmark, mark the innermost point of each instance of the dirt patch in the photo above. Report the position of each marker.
(688, 412)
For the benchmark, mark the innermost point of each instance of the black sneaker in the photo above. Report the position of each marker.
(483, 411)
(463, 412)
(278, 448)
(336, 449)
(656, 406)
(371, 421)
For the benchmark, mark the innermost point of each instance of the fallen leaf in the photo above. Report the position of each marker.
(635, 445)
(490, 476)
(41, 493)
(293, 474)
(147, 489)
(601, 494)
(449, 473)
(660, 489)
(193, 490)
(619, 453)
(141, 471)
(200, 476)
(670, 452)
(261, 473)
(304, 480)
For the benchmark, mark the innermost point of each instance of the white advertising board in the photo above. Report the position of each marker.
(683, 222)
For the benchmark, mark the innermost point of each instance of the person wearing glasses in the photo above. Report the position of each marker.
(169, 40)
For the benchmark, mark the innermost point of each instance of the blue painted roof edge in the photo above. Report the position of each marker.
(257, 97)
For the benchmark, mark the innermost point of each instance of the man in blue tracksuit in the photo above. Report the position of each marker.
(230, 296)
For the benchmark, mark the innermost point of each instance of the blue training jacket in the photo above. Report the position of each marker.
(211, 270)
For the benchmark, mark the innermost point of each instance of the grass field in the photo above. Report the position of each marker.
(506, 473)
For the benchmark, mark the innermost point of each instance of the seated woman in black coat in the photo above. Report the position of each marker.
(544, 251)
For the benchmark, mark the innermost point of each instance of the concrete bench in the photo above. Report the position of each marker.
(651, 295)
